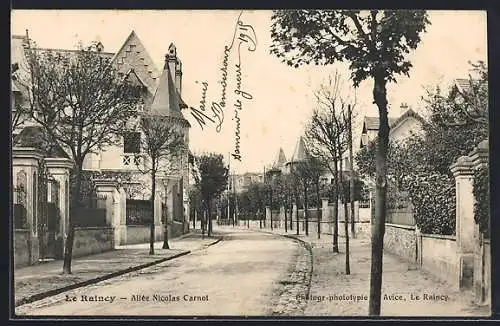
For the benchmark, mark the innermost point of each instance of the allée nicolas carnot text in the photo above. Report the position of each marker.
(138, 298)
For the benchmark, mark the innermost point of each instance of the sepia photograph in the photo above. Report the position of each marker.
(249, 163)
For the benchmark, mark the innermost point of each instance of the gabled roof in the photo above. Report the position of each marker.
(462, 84)
(133, 54)
(407, 114)
(372, 123)
(166, 100)
(14, 87)
(131, 74)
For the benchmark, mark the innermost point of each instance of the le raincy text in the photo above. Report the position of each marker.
(244, 34)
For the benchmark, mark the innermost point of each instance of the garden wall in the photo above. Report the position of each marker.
(439, 257)
(93, 240)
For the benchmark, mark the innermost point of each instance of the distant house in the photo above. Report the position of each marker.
(400, 128)
(240, 182)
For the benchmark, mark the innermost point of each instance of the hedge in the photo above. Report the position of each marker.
(481, 191)
(434, 204)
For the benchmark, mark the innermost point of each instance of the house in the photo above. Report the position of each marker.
(402, 127)
(240, 182)
(162, 94)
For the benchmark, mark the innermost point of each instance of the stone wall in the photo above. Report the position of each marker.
(21, 248)
(482, 274)
(400, 240)
(92, 240)
(364, 214)
(438, 256)
(133, 234)
(176, 229)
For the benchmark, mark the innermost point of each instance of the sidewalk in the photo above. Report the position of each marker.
(331, 288)
(36, 282)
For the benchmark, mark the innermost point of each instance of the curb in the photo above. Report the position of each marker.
(306, 245)
(46, 294)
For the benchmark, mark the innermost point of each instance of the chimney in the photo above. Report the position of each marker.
(403, 108)
(178, 76)
(172, 61)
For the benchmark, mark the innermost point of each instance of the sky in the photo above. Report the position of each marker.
(281, 97)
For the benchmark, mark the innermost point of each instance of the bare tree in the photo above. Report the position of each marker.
(81, 105)
(163, 142)
(324, 133)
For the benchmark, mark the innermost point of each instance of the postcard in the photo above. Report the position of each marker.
(250, 163)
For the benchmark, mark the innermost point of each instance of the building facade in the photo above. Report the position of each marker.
(162, 95)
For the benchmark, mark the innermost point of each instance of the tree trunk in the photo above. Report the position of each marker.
(297, 214)
(346, 230)
(378, 224)
(318, 211)
(203, 223)
(271, 210)
(209, 217)
(152, 229)
(306, 215)
(194, 219)
(286, 219)
(335, 208)
(165, 229)
(75, 205)
(346, 218)
(351, 169)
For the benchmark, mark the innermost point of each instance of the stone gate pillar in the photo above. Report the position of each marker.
(120, 216)
(463, 172)
(482, 275)
(294, 216)
(26, 159)
(268, 216)
(60, 168)
(106, 188)
(325, 213)
(281, 223)
(168, 184)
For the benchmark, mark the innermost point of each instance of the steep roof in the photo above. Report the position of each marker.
(300, 151)
(133, 54)
(166, 100)
(279, 161)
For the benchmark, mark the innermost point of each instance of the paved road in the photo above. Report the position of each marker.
(237, 276)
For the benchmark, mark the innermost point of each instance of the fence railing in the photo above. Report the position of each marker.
(139, 212)
(20, 218)
(91, 213)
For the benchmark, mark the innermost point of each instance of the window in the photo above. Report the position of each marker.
(132, 142)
